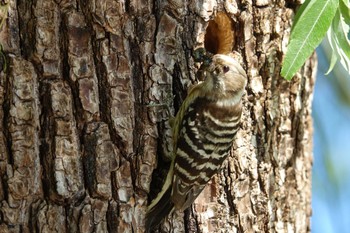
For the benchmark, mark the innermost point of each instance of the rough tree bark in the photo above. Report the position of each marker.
(82, 116)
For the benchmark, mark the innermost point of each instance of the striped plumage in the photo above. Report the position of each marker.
(203, 132)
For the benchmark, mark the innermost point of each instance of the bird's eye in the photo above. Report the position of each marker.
(226, 69)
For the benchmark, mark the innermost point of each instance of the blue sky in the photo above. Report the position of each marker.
(331, 171)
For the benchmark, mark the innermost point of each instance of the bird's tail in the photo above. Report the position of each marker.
(161, 206)
(159, 211)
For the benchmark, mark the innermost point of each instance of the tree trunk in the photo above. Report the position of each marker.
(85, 93)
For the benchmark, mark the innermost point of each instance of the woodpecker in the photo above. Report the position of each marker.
(203, 132)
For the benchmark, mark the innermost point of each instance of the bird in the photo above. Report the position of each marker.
(203, 132)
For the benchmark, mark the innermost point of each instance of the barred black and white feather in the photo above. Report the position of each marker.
(203, 133)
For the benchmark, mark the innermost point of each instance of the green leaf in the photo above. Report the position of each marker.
(334, 56)
(344, 7)
(308, 31)
(299, 13)
(338, 40)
